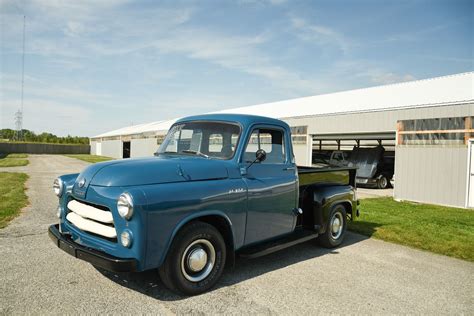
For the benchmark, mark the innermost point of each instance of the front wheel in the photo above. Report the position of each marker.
(382, 183)
(335, 228)
(195, 261)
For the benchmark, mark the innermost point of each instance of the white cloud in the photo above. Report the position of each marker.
(45, 115)
(263, 2)
(390, 77)
(233, 52)
(320, 34)
(103, 30)
(364, 71)
(37, 88)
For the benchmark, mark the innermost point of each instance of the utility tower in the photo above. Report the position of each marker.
(18, 125)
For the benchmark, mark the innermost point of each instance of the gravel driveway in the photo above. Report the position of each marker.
(363, 276)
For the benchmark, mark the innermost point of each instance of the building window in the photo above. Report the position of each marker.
(299, 134)
(447, 131)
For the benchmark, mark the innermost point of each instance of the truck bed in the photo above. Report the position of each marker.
(326, 175)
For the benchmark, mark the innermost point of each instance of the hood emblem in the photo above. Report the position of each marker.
(82, 183)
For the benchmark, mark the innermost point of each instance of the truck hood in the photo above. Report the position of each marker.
(154, 170)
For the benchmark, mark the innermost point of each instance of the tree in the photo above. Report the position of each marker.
(45, 137)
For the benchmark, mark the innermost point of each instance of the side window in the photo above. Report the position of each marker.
(272, 141)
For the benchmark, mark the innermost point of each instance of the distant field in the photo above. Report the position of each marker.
(12, 195)
(90, 158)
(13, 160)
(443, 230)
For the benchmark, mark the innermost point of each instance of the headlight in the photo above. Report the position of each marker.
(125, 205)
(126, 239)
(58, 187)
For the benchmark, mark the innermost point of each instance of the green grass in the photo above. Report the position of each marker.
(90, 158)
(439, 229)
(17, 156)
(12, 195)
(13, 160)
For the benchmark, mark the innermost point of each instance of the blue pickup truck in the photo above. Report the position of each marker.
(219, 186)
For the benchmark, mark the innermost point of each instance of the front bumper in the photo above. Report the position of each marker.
(366, 181)
(94, 257)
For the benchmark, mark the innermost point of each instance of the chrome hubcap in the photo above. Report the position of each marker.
(198, 260)
(336, 225)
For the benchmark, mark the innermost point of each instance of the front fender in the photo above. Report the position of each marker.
(68, 182)
(69, 179)
(190, 218)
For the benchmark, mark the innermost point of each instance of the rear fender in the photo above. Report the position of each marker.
(324, 200)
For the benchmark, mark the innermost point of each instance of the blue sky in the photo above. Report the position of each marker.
(94, 66)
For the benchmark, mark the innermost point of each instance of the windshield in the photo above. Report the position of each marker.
(206, 139)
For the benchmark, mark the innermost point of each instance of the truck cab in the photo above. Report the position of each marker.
(220, 185)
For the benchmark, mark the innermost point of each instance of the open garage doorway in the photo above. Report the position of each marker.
(372, 153)
(126, 149)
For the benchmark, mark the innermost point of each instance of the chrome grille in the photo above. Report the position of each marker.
(91, 219)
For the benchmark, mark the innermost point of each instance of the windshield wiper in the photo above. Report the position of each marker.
(189, 151)
(165, 152)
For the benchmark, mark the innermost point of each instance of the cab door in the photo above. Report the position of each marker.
(272, 185)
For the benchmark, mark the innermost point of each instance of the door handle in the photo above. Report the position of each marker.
(289, 168)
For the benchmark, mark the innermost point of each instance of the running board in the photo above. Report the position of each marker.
(277, 245)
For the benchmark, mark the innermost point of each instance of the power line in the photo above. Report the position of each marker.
(23, 63)
(19, 114)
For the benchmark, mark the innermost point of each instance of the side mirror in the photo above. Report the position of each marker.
(260, 155)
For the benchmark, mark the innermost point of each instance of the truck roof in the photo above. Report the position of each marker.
(244, 119)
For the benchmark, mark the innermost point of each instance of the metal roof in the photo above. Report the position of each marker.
(420, 93)
(438, 91)
(243, 119)
(159, 126)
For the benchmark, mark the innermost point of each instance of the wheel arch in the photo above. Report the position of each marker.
(326, 198)
(216, 218)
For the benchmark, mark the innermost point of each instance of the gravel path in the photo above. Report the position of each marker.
(364, 276)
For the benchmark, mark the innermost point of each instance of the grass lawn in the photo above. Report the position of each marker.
(90, 158)
(17, 156)
(443, 230)
(12, 195)
(13, 160)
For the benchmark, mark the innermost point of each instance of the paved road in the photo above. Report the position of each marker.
(364, 276)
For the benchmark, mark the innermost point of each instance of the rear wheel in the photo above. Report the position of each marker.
(195, 261)
(335, 229)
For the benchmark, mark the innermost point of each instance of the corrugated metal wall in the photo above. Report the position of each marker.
(143, 147)
(431, 174)
(112, 148)
(302, 156)
(436, 175)
(382, 121)
(93, 145)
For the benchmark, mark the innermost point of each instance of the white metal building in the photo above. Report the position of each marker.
(427, 124)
